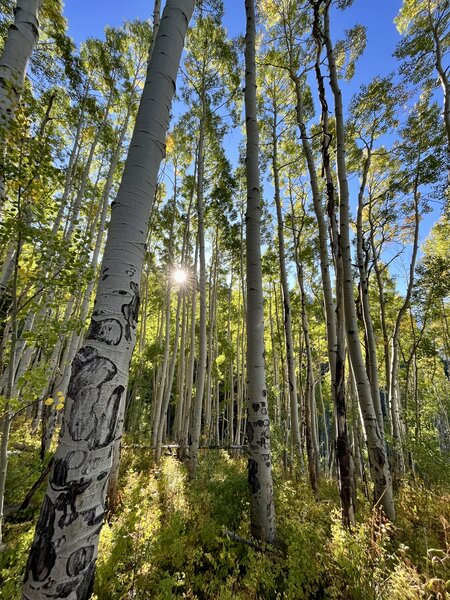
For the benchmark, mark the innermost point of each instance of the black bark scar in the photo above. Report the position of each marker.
(42, 554)
(253, 476)
(131, 311)
(90, 372)
(107, 331)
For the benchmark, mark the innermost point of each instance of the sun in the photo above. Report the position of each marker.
(180, 276)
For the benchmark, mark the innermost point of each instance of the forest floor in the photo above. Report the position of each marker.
(168, 538)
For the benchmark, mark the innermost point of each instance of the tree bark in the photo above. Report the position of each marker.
(398, 460)
(377, 451)
(196, 421)
(372, 360)
(20, 43)
(287, 318)
(64, 551)
(262, 511)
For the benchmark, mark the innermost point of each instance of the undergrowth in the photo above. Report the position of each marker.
(169, 540)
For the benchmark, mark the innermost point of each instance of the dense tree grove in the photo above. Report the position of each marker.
(224, 319)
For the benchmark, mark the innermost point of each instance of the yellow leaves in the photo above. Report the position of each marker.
(413, 10)
(59, 401)
(271, 11)
(170, 143)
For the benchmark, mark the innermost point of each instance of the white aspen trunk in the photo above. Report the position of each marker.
(196, 421)
(8, 265)
(287, 318)
(181, 374)
(364, 294)
(230, 412)
(262, 510)
(86, 170)
(240, 351)
(62, 558)
(163, 374)
(383, 320)
(335, 320)
(184, 440)
(377, 451)
(325, 424)
(333, 311)
(275, 367)
(20, 43)
(217, 415)
(283, 368)
(170, 377)
(22, 38)
(74, 155)
(398, 460)
(22, 356)
(330, 309)
(211, 350)
(239, 376)
(442, 72)
(8, 416)
(314, 417)
(310, 412)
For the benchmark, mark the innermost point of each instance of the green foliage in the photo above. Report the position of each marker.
(168, 539)
(13, 559)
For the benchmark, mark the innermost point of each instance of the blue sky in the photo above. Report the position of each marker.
(89, 17)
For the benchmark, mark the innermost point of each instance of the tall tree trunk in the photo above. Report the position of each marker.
(287, 318)
(239, 374)
(333, 312)
(383, 319)
(230, 411)
(181, 377)
(22, 38)
(442, 72)
(377, 451)
(262, 510)
(311, 443)
(212, 320)
(371, 346)
(64, 551)
(196, 421)
(335, 320)
(20, 43)
(7, 418)
(398, 465)
(159, 391)
(169, 385)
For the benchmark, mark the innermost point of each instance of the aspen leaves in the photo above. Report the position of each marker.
(59, 401)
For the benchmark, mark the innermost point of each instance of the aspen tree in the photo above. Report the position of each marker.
(376, 447)
(262, 509)
(64, 551)
(20, 43)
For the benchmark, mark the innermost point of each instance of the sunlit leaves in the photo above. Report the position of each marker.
(349, 50)
(424, 25)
